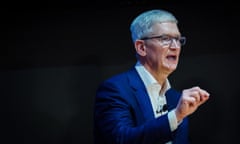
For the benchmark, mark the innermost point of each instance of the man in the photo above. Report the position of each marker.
(139, 106)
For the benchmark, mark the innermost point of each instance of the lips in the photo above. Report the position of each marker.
(172, 57)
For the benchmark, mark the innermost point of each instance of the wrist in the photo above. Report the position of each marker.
(179, 116)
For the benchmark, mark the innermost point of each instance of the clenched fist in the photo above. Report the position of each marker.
(190, 100)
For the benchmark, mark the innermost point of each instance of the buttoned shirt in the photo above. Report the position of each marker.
(156, 94)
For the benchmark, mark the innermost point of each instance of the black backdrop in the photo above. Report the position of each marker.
(58, 52)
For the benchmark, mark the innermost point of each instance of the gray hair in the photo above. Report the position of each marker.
(142, 24)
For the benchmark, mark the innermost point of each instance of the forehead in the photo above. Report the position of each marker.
(165, 28)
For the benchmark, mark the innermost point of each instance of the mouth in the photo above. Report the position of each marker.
(171, 57)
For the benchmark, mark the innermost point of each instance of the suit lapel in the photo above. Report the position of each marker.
(140, 94)
(142, 97)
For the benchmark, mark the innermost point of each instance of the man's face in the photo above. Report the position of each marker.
(162, 53)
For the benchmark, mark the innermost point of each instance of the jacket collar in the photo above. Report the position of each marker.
(140, 93)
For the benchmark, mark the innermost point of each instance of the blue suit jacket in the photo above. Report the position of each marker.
(123, 114)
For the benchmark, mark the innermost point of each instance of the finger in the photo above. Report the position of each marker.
(196, 88)
(196, 96)
(204, 95)
(190, 100)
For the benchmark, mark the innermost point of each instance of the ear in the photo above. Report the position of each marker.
(140, 47)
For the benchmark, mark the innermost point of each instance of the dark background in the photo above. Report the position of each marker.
(58, 51)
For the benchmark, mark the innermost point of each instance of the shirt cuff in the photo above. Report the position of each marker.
(172, 120)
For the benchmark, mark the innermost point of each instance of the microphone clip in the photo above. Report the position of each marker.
(161, 108)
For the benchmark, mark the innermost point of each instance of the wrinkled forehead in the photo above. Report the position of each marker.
(168, 28)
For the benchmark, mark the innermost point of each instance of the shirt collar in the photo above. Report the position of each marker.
(149, 80)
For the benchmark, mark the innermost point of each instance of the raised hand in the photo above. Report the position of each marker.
(190, 100)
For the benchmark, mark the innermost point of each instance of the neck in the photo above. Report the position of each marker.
(160, 77)
(159, 74)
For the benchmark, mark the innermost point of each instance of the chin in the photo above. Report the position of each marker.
(171, 68)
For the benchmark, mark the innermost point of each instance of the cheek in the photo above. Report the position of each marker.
(162, 53)
(159, 58)
(158, 54)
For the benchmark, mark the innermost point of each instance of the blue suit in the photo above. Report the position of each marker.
(123, 114)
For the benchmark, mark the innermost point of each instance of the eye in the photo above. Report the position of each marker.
(165, 38)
